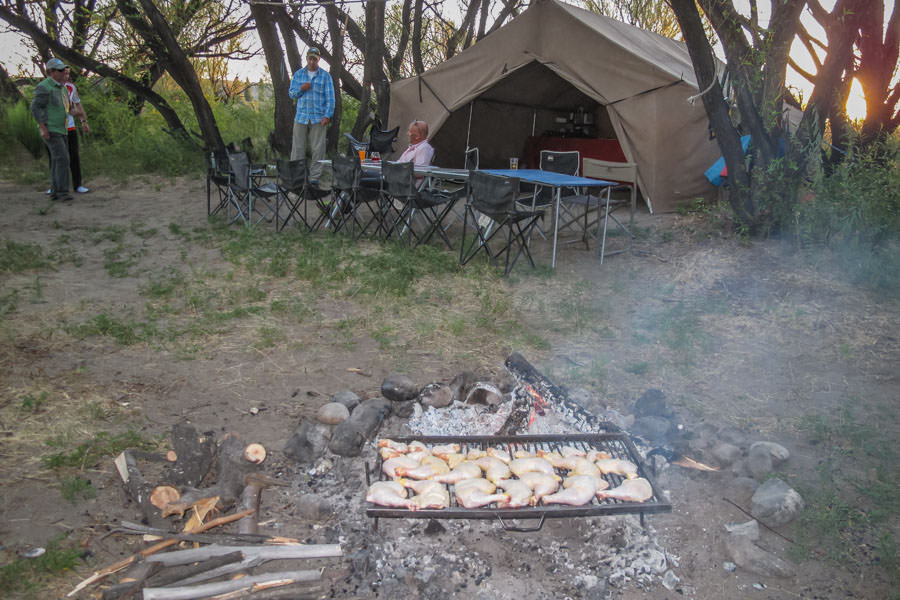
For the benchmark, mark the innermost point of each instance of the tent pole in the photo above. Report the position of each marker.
(469, 128)
(533, 122)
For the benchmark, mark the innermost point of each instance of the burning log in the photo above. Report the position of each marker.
(537, 392)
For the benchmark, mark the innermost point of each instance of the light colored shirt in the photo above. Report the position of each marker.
(74, 99)
(315, 103)
(420, 154)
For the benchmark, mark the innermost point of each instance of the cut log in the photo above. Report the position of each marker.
(162, 495)
(255, 453)
(137, 488)
(250, 498)
(222, 587)
(194, 456)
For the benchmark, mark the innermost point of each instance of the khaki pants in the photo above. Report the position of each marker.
(315, 132)
(59, 166)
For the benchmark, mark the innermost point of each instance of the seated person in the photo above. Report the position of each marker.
(419, 153)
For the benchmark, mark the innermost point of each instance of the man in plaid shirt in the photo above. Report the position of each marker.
(311, 87)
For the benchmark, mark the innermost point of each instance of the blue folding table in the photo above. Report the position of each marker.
(557, 181)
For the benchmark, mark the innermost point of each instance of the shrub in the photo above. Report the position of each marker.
(23, 128)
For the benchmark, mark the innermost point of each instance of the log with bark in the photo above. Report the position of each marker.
(194, 455)
(138, 488)
(252, 582)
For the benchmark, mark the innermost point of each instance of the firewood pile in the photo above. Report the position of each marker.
(198, 559)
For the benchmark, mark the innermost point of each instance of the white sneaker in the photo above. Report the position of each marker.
(49, 192)
(82, 190)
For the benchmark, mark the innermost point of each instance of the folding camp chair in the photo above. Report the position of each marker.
(295, 194)
(427, 206)
(218, 174)
(239, 205)
(350, 199)
(626, 176)
(495, 197)
(380, 141)
(569, 163)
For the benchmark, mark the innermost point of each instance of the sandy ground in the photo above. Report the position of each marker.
(771, 338)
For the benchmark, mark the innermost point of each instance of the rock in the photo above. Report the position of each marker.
(398, 387)
(760, 463)
(725, 453)
(749, 530)
(306, 444)
(313, 508)
(349, 436)
(404, 410)
(484, 393)
(651, 404)
(347, 398)
(611, 415)
(332, 413)
(778, 452)
(751, 557)
(461, 384)
(732, 435)
(670, 580)
(654, 429)
(437, 395)
(775, 503)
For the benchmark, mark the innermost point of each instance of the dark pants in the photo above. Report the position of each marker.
(59, 166)
(74, 160)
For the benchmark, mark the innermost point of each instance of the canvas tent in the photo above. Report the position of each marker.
(551, 60)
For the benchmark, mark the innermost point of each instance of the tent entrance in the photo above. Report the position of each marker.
(532, 100)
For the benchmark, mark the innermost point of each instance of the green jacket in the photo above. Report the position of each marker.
(51, 105)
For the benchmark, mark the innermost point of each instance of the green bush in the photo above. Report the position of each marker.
(23, 128)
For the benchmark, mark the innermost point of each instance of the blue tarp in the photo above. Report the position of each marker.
(714, 173)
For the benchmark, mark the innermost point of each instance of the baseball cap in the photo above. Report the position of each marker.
(54, 64)
(313, 52)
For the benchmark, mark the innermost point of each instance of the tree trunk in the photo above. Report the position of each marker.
(181, 70)
(337, 62)
(8, 89)
(281, 137)
(374, 54)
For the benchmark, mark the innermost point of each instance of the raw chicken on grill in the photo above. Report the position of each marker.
(556, 459)
(472, 493)
(617, 466)
(541, 484)
(494, 468)
(389, 493)
(429, 467)
(465, 470)
(474, 453)
(576, 465)
(631, 490)
(399, 447)
(527, 465)
(452, 458)
(430, 494)
(522, 453)
(567, 451)
(499, 454)
(519, 493)
(403, 461)
(595, 455)
(579, 490)
(445, 449)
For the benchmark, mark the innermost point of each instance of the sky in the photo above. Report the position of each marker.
(16, 57)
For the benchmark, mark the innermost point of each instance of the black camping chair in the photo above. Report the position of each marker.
(430, 207)
(381, 141)
(295, 194)
(350, 199)
(239, 205)
(218, 175)
(495, 197)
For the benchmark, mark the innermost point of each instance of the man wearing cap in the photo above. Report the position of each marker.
(311, 87)
(50, 108)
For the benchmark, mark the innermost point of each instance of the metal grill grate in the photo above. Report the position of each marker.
(616, 444)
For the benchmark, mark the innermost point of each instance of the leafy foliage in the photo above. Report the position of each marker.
(23, 128)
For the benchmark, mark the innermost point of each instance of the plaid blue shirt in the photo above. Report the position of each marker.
(317, 102)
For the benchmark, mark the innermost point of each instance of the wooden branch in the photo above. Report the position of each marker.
(137, 487)
(181, 572)
(221, 587)
(131, 582)
(181, 557)
(116, 567)
(207, 538)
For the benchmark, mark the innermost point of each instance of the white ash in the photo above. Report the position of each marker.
(459, 419)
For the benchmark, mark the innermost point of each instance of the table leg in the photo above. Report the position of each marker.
(556, 225)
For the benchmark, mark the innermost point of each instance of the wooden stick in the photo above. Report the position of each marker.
(221, 587)
(207, 538)
(181, 557)
(176, 574)
(116, 567)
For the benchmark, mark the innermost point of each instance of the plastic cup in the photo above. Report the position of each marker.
(514, 163)
(362, 155)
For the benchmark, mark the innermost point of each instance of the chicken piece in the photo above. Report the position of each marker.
(403, 461)
(475, 453)
(595, 455)
(418, 454)
(602, 484)
(617, 466)
(452, 458)
(522, 453)
(472, 493)
(430, 494)
(499, 454)
(445, 449)
(519, 493)
(465, 470)
(527, 465)
(556, 459)
(399, 447)
(388, 453)
(494, 468)
(430, 466)
(389, 493)
(582, 466)
(541, 484)
(631, 490)
(567, 451)
(417, 446)
(578, 491)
